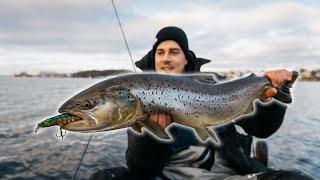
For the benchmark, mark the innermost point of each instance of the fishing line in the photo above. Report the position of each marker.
(14, 139)
(123, 34)
(4, 135)
(81, 158)
(134, 68)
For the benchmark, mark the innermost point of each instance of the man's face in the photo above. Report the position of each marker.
(169, 58)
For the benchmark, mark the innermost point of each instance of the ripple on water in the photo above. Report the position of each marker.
(44, 156)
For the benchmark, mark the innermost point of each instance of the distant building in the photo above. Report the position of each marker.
(307, 75)
(95, 73)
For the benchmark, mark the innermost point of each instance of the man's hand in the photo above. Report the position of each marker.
(164, 120)
(277, 78)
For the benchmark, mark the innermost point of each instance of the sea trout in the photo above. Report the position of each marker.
(126, 101)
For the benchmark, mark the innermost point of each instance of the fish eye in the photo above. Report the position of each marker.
(88, 104)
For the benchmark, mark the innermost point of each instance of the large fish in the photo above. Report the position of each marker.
(126, 101)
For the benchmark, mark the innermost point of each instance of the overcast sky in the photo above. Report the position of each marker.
(72, 35)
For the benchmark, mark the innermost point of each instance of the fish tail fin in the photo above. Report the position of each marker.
(284, 94)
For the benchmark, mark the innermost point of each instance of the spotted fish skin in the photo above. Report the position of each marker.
(189, 99)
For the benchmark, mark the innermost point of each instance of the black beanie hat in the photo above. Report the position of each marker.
(176, 34)
(147, 63)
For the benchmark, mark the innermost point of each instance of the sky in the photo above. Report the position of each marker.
(75, 35)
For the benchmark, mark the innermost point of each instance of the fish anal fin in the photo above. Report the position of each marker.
(214, 137)
(202, 133)
(155, 129)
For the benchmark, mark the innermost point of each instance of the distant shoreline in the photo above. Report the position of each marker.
(304, 75)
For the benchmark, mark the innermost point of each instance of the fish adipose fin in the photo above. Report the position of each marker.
(284, 94)
(155, 129)
(202, 133)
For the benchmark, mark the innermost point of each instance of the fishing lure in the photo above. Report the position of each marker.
(60, 120)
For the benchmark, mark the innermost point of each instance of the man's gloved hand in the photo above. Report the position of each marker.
(277, 78)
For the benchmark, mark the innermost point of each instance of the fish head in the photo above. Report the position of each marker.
(102, 109)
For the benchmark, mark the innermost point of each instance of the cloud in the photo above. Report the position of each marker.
(60, 62)
(234, 35)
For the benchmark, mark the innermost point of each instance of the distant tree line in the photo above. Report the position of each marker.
(95, 73)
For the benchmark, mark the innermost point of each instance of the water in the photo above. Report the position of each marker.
(26, 101)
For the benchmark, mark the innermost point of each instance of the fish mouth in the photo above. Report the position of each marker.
(82, 116)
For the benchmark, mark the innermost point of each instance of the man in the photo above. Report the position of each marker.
(185, 158)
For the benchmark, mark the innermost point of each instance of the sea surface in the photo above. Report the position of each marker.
(42, 155)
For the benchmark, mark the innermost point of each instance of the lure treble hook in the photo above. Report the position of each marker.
(61, 134)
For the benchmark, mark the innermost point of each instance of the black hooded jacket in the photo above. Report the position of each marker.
(147, 156)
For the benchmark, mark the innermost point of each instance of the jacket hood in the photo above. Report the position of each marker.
(147, 63)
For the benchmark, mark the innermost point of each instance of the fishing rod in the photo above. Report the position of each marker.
(6, 136)
(134, 68)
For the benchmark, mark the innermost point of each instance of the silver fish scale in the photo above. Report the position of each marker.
(191, 102)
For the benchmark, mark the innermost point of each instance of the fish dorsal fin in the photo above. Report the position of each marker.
(205, 78)
(252, 75)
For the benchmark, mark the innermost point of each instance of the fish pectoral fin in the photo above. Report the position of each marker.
(155, 129)
(214, 137)
(202, 133)
(137, 127)
(205, 78)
